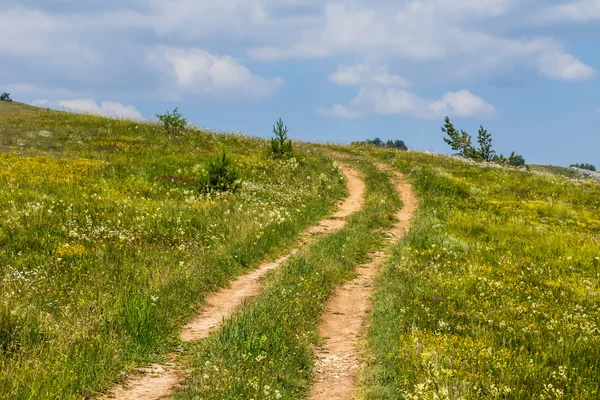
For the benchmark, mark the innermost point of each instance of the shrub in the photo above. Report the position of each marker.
(219, 174)
(173, 122)
(5, 97)
(281, 145)
(516, 160)
(589, 167)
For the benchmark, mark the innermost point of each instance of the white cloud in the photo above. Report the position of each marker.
(338, 111)
(195, 71)
(106, 108)
(579, 11)
(557, 65)
(448, 37)
(360, 75)
(390, 101)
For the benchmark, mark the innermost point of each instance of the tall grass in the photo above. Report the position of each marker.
(265, 350)
(494, 293)
(107, 246)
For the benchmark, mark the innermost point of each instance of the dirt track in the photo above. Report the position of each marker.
(158, 381)
(338, 360)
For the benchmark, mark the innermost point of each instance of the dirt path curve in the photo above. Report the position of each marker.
(158, 381)
(338, 360)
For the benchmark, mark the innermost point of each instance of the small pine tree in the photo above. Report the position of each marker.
(5, 97)
(458, 141)
(484, 139)
(281, 145)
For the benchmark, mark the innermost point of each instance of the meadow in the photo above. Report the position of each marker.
(107, 246)
(494, 293)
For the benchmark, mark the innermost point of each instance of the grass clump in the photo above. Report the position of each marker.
(219, 174)
(494, 291)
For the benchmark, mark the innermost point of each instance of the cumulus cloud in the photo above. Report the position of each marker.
(557, 65)
(109, 109)
(360, 75)
(73, 46)
(338, 111)
(442, 33)
(579, 11)
(196, 71)
(391, 101)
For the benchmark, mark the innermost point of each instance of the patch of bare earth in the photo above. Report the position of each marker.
(338, 361)
(159, 381)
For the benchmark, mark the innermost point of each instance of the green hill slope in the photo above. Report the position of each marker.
(107, 245)
(495, 292)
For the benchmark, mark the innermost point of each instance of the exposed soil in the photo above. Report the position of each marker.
(338, 361)
(159, 381)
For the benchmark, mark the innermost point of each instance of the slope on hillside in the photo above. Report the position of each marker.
(107, 246)
(495, 292)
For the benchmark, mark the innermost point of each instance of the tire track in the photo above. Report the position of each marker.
(159, 381)
(338, 361)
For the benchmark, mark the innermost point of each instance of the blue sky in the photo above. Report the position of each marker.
(527, 70)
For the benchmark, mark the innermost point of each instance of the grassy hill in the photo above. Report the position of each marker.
(107, 247)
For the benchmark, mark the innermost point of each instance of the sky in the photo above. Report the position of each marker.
(335, 71)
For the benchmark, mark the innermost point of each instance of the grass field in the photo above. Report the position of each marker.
(265, 351)
(107, 246)
(495, 292)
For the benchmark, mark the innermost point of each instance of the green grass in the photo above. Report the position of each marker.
(107, 247)
(494, 293)
(265, 350)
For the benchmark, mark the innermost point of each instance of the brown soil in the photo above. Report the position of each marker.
(158, 381)
(338, 360)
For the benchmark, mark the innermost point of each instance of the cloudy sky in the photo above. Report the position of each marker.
(334, 70)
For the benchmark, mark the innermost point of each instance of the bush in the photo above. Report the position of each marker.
(281, 145)
(516, 160)
(173, 123)
(589, 167)
(219, 174)
(5, 97)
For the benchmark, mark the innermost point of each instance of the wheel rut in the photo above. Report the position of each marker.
(338, 360)
(159, 380)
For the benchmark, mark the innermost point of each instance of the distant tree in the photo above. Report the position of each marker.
(399, 144)
(377, 142)
(281, 145)
(173, 122)
(5, 97)
(484, 139)
(391, 144)
(499, 159)
(516, 160)
(458, 141)
(589, 167)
